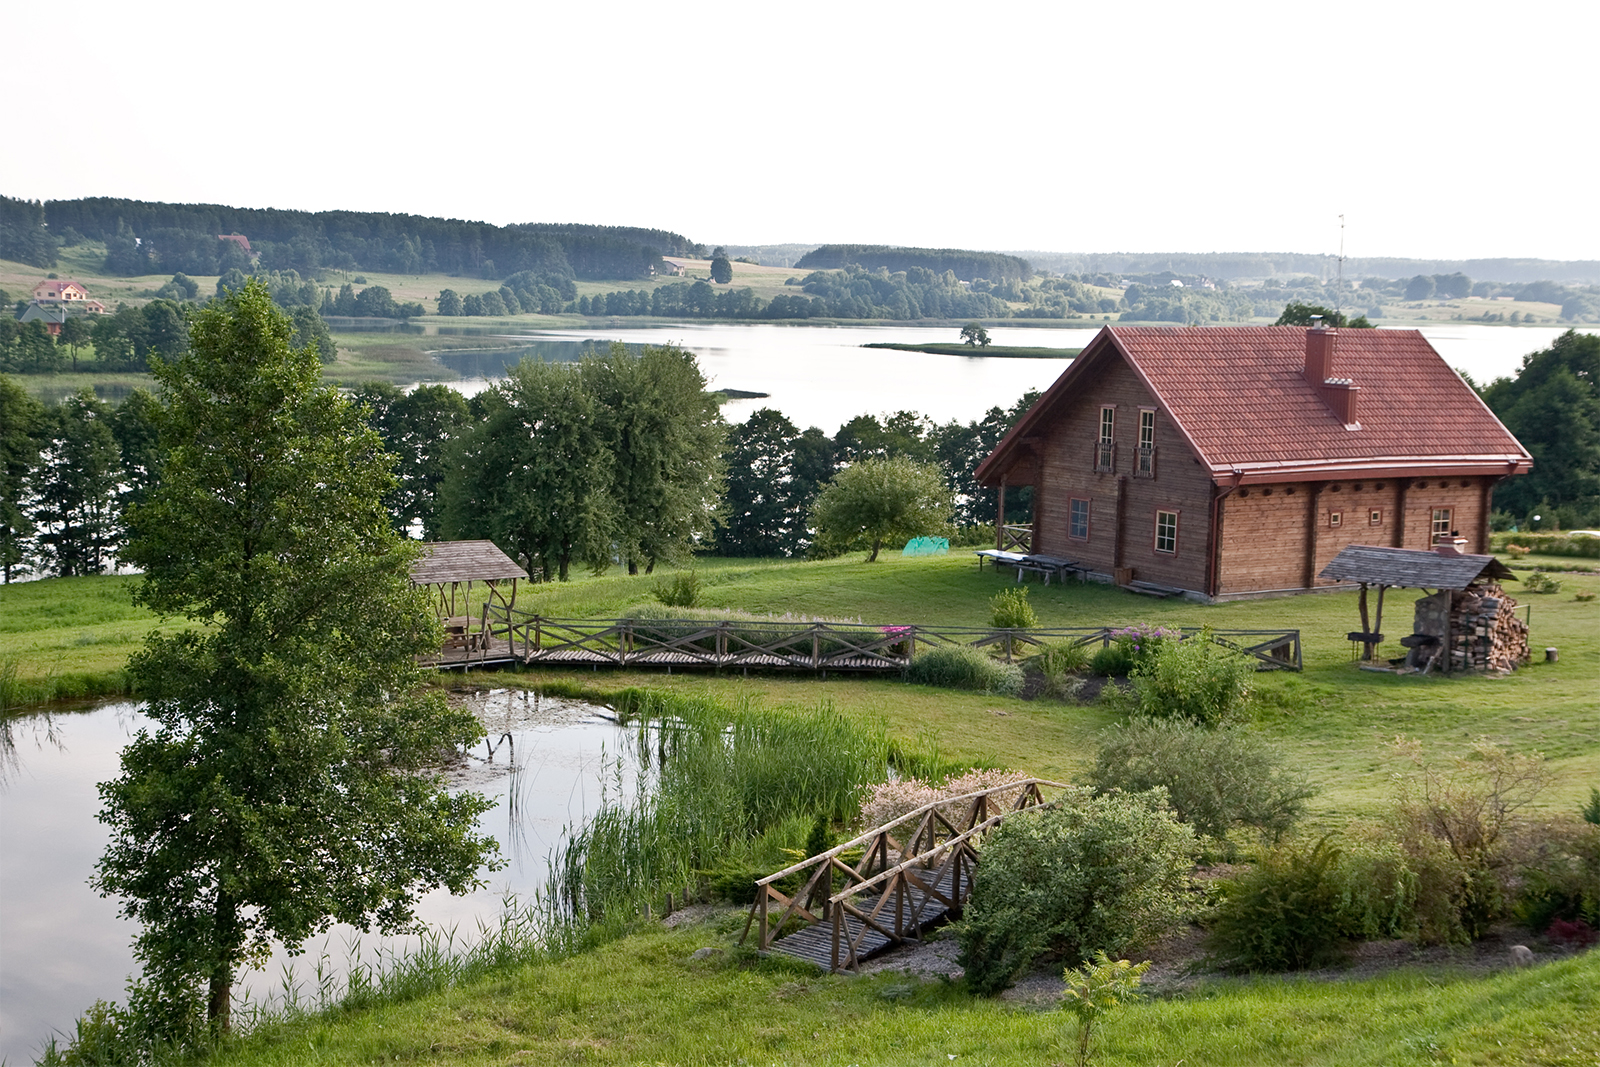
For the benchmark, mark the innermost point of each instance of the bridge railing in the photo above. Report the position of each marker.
(813, 646)
(919, 865)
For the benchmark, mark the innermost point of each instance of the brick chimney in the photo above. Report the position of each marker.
(1339, 394)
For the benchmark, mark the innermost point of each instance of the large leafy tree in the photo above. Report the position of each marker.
(1553, 407)
(878, 501)
(666, 436)
(534, 474)
(21, 418)
(75, 487)
(419, 428)
(283, 785)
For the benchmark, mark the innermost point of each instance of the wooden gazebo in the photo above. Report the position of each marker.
(1443, 569)
(453, 570)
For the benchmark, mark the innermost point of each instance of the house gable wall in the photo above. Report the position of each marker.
(1066, 471)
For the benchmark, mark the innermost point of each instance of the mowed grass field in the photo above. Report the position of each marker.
(642, 999)
(1335, 719)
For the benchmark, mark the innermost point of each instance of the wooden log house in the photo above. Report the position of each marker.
(1237, 462)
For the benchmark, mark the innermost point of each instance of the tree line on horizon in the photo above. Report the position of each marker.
(143, 237)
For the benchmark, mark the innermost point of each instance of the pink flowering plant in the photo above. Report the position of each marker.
(888, 801)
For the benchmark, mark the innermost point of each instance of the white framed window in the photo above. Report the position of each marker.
(1105, 453)
(1145, 460)
(1167, 531)
(1335, 518)
(1375, 517)
(1441, 527)
(1078, 519)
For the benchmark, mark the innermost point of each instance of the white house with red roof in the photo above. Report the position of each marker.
(1238, 461)
(68, 292)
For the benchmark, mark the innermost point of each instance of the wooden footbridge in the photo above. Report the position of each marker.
(913, 874)
(500, 635)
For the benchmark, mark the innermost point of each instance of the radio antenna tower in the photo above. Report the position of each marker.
(1338, 286)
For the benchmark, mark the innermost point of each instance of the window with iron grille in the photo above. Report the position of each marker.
(1145, 462)
(1166, 531)
(1078, 523)
(1106, 451)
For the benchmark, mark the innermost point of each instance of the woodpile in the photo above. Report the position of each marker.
(1485, 633)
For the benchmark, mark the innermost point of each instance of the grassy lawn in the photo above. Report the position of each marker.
(1335, 719)
(643, 1000)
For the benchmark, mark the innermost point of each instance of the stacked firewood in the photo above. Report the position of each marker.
(1485, 633)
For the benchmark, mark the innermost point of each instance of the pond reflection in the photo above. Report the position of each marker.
(547, 762)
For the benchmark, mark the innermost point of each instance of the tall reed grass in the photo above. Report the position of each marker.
(721, 789)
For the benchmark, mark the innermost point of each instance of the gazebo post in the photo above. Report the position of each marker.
(1377, 624)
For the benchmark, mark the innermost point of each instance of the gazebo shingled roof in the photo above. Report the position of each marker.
(445, 562)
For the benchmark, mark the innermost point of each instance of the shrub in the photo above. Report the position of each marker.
(1285, 913)
(1113, 660)
(1560, 865)
(1086, 874)
(1540, 582)
(1215, 779)
(959, 667)
(1131, 648)
(1459, 829)
(1009, 609)
(1547, 544)
(682, 590)
(1198, 680)
(887, 801)
(1065, 659)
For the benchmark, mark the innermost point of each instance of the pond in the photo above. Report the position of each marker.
(547, 765)
(821, 376)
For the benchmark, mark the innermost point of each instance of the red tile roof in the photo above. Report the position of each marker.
(1240, 397)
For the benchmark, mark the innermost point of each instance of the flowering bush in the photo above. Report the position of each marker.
(1131, 648)
(887, 801)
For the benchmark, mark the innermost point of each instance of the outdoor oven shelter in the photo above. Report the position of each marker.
(1444, 569)
(453, 570)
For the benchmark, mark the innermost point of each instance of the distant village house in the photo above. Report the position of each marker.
(1237, 462)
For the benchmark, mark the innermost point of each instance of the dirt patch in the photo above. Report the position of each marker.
(1034, 687)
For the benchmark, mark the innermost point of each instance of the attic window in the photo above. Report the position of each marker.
(1105, 453)
(1145, 461)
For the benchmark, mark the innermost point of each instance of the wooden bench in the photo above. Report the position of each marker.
(1045, 566)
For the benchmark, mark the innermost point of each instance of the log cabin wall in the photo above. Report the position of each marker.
(1177, 483)
(1266, 528)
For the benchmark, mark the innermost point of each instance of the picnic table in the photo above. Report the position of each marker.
(999, 556)
(1045, 566)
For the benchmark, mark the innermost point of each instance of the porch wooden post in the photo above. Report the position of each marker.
(1000, 523)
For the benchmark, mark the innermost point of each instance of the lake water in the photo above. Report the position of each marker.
(62, 947)
(821, 376)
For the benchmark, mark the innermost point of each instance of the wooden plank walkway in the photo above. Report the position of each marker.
(917, 912)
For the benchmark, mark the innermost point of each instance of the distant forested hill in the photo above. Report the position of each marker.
(154, 238)
(966, 265)
(1233, 266)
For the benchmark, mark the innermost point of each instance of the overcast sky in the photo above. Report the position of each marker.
(1451, 131)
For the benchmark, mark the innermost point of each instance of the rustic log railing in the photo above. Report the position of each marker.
(1016, 537)
(721, 644)
(900, 887)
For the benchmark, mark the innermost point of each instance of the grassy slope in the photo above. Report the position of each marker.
(642, 1000)
(639, 1001)
(1335, 719)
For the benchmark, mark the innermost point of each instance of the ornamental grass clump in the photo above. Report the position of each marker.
(887, 801)
(959, 667)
